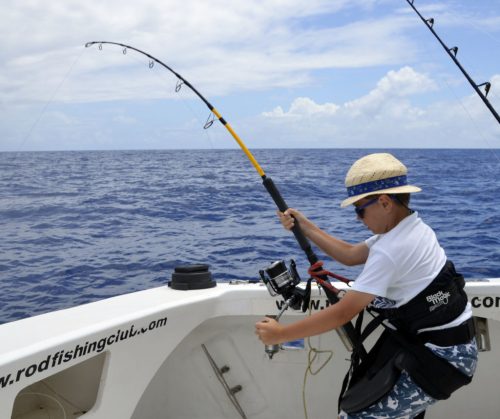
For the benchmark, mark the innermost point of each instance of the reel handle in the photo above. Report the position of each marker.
(270, 350)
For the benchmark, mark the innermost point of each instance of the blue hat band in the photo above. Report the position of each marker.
(377, 185)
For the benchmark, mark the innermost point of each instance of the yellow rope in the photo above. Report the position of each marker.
(311, 357)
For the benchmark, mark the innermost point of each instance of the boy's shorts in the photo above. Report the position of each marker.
(406, 400)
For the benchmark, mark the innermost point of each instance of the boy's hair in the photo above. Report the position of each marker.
(401, 198)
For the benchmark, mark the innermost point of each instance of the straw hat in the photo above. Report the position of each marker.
(379, 173)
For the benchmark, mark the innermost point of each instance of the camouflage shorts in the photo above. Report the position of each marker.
(406, 400)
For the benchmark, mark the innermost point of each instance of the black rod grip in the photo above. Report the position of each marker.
(296, 230)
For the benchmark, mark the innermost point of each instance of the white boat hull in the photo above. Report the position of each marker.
(141, 356)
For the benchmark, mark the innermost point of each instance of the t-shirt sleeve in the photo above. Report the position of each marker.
(378, 273)
(372, 240)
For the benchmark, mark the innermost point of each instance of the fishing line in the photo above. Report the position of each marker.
(473, 25)
(452, 53)
(459, 100)
(312, 355)
(478, 129)
(197, 117)
(183, 96)
(468, 22)
(50, 101)
(471, 63)
(430, 24)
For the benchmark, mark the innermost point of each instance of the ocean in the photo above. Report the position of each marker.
(81, 226)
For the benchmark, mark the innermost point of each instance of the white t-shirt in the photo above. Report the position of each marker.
(401, 263)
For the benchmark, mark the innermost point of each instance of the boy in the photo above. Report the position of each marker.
(407, 280)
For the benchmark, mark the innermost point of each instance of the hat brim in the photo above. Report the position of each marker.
(398, 189)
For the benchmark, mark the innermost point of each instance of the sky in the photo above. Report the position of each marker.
(283, 73)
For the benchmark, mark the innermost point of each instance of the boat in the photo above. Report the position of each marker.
(190, 352)
(166, 353)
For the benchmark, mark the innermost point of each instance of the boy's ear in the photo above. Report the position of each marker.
(385, 200)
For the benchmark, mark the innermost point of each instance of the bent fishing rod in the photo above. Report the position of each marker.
(347, 333)
(452, 52)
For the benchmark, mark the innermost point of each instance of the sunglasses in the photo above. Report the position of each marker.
(360, 211)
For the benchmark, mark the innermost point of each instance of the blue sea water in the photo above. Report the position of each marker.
(81, 226)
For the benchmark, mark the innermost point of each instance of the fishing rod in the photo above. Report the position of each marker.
(452, 52)
(284, 281)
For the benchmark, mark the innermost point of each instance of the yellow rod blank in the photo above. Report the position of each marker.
(240, 143)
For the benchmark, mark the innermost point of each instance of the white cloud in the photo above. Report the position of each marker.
(484, 18)
(387, 116)
(391, 90)
(390, 93)
(225, 46)
(304, 106)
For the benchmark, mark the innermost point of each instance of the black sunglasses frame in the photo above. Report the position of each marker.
(360, 211)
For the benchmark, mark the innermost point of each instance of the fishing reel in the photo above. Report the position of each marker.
(284, 281)
(281, 280)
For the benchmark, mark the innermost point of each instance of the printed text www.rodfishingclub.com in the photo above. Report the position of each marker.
(81, 349)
